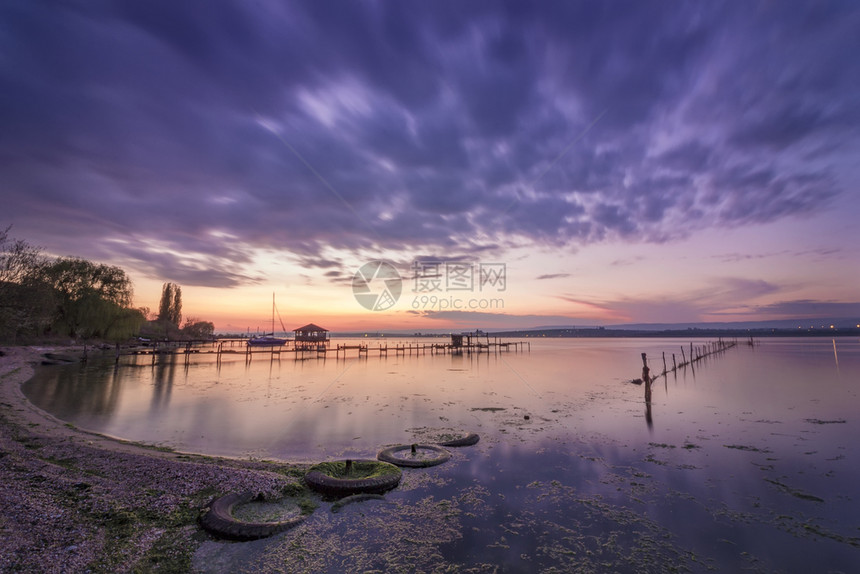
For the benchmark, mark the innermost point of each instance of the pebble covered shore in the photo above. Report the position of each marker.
(72, 501)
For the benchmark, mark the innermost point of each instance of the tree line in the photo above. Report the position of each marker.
(43, 297)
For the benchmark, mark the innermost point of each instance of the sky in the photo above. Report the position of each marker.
(513, 164)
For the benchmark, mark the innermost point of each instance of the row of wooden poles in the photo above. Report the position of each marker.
(189, 348)
(697, 353)
(409, 349)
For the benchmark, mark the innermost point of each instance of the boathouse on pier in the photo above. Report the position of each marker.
(311, 334)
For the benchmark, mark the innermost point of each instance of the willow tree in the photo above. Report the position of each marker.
(92, 299)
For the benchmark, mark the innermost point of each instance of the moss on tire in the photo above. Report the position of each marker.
(218, 519)
(389, 455)
(337, 478)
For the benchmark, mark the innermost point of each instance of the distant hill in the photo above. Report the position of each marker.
(696, 332)
(784, 327)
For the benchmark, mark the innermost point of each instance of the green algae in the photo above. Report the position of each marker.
(267, 510)
(360, 469)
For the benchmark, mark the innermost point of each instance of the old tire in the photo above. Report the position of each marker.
(329, 479)
(218, 519)
(388, 455)
(467, 440)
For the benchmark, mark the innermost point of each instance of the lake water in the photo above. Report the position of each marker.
(747, 462)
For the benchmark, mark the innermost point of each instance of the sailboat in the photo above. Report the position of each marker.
(269, 340)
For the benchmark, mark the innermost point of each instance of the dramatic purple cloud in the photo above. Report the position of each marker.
(197, 131)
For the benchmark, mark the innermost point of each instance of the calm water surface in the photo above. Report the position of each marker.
(747, 462)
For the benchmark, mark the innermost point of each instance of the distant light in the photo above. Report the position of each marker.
(831, 326)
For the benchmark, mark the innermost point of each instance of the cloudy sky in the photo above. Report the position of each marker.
(618, 161)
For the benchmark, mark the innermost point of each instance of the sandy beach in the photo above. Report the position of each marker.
(73, 501)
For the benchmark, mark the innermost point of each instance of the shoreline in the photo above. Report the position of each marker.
(74, 500)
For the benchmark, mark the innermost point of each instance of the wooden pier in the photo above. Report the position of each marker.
(302, 351)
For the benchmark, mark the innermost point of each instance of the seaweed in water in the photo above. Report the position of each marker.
(747, 448)
(793, 491)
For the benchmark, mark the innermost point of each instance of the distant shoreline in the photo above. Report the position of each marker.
(677, 333)
(602, 333)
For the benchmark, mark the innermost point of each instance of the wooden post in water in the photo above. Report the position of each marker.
(683, 357)
(645, 370)
(664, 362)
(674, 365)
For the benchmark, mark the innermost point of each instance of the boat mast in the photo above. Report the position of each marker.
(273, 313)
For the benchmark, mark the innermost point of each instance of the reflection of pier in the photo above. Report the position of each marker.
(302, 350)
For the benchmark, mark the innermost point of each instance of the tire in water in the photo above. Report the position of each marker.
(388, 455)
(218, 519)
(323, 482)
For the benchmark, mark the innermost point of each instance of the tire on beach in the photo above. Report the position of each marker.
(388, 455)
(218, 519)
(367, 477)
(467, 440)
